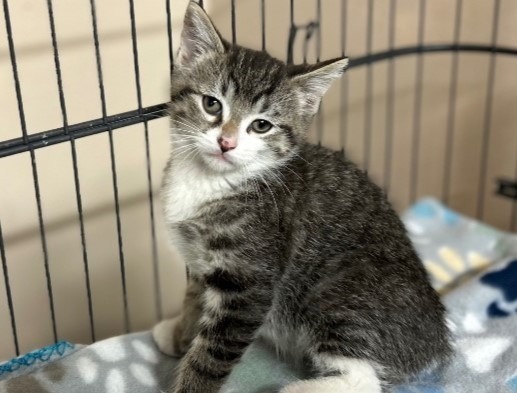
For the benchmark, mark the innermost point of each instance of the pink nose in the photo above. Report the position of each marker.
(227, 143)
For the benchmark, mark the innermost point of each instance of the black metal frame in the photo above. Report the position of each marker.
(69, 133)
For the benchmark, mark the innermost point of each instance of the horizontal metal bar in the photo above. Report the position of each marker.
(58, 135)
(411, 50)
(507, 188)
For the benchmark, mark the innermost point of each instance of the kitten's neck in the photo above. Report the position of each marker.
(189, 184)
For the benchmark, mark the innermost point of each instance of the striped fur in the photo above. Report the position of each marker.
(284, 239)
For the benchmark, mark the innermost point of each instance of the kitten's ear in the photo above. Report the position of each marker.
(312, 82)
(199, 36)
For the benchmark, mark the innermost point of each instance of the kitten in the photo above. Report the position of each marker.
(283, 239)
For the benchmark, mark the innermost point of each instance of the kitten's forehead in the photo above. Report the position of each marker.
(253, 73)
(249, 79)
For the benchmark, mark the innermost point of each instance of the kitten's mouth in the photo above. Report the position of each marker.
(221, 157)
(219, 161)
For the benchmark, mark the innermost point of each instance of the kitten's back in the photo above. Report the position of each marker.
(354, 280)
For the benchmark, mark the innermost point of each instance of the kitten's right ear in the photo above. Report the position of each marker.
(199, 36)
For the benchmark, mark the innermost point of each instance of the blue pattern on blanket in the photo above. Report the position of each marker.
(506, 281)
(426, 382)
(426, 209)
(512, 384)
(42, 355)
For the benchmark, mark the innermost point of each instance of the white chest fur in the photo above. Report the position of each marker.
(187, 187)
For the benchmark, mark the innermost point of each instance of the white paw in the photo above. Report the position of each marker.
(302, 387)
(314, 386)
(163, 336)
(330, 385)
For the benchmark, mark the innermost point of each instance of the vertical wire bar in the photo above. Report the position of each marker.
(57, 66)
(292, 34)
(319, 120)
(368, 113)
(417, 124)
(102, 94)
(77, 184)
(513, 224)
(156, 277)
(309, 30)
(21, 113)
(390, 104)
(318, 31)
(485, 147)
(344, 80)
(8, 293)
(234, 29)
(158, 303)
(263, 23)
(169, 34)
(291, 13)
(451, 118)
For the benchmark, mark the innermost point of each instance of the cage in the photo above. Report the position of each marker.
(427, 108)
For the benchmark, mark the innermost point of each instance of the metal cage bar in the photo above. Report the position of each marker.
(113, 164)
(319, 117)
(513, 224)
(8, 293)
(368, 112)
(234, 28)
(485, 146)
(263, 23)
(415, 150)
(169, 33)
(77, 183)
(149, 177)
(451, 116)
(390, 97)
(344, 81)
(21, 114)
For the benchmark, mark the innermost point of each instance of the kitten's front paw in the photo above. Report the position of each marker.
(168, 337)
(319, 386)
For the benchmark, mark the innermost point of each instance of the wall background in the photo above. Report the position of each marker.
(342, 125)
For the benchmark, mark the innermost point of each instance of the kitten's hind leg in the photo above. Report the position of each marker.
(338, 374)
(174, 336)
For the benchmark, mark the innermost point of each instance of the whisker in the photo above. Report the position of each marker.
(286, 166)
(187, 124)
(272, 195)
(186, 121)
(188, 155)
(276, 175)
(184, 149)
(185, 130)
(300, 157)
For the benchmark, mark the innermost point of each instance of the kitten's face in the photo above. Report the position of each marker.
(235, 110)
(238, 110)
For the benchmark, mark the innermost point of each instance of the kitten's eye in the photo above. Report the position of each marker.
(212, 105)
(261, 126)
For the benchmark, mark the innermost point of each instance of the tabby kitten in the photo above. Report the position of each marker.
(283, 239)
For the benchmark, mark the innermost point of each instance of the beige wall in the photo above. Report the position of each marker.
(18, 212)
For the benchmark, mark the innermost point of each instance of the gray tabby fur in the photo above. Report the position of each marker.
(290, 242)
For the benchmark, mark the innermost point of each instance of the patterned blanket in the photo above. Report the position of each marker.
(482, 311)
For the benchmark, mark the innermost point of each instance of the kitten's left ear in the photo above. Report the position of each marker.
(199, 36)
(312, 82)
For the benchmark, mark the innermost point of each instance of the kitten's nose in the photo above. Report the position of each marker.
(227, 143)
